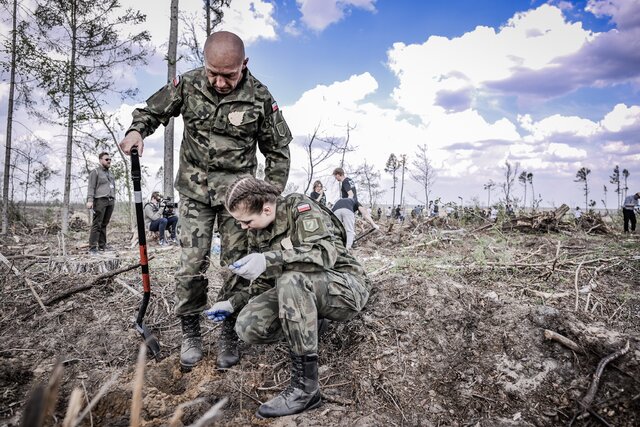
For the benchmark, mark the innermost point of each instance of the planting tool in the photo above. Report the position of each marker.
(147, 336)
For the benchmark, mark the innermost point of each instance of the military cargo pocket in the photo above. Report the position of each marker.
(346, 292)
(243, 123)
(282, 133)
(198, 108)
(289, 313)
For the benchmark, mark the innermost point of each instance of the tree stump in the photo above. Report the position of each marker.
(75, 264)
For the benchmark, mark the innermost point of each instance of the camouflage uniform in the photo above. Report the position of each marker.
(221, 135)
(309, 275)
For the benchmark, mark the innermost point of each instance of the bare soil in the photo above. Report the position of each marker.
(453, 333)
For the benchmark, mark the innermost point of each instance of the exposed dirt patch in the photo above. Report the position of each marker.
(452, 335)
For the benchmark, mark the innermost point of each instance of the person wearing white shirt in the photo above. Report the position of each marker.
(628, 211)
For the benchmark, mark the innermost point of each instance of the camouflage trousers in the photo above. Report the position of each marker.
(291, 309)
(195, 231)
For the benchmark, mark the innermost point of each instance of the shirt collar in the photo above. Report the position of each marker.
(245, 91)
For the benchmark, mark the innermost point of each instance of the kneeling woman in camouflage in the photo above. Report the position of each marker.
(299, 249)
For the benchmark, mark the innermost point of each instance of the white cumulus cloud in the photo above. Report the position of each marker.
(319, 14)
(530, 40)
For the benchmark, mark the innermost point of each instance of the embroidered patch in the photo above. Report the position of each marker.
(176, 81)
(236, 117)
(310, 225)
(274, 107)
(304, 207)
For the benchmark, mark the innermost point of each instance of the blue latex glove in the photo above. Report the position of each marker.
(219, 311)
(250, 266)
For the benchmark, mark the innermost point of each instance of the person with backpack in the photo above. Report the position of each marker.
(297, 251)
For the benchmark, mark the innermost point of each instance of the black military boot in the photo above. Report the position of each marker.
(323, 326)
(303, 392)
(191, 351)
(228, 345)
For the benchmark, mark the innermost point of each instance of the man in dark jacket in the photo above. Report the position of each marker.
(101, 199)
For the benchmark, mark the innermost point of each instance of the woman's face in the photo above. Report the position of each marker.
(255, 221)
(318, 188)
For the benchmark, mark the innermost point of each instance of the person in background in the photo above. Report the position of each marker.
(101, 200)
(577, 213)
(318, 193)
(158, 219)
(347, 185)
(344, 210)
(228, 116)
(628, 211)
(298, 249)
(493, 214)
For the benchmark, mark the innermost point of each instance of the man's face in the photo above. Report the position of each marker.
(338, 178)
(223, 72)
(105, 161)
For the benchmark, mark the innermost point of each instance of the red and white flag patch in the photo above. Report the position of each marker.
(176, 81)
(274, 107)
(304, 207)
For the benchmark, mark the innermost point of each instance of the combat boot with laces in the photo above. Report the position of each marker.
(191, 351)
(303, 393)
(228, 345)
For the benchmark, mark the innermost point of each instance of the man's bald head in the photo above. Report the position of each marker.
(224, 46)
(224, 61)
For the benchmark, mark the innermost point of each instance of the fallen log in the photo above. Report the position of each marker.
(538, 222)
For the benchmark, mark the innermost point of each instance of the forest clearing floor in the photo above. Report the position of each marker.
(453, 333)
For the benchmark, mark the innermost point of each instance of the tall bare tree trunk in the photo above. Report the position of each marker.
(404, 162)
(207, 8)
(26, 184)
(70, 122)
(7, 155)
(171, 74)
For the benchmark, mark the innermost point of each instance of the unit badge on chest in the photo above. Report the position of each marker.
(236, 117)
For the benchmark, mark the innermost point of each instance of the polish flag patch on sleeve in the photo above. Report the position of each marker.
(303, 207)
(274, 107)
(176, 81)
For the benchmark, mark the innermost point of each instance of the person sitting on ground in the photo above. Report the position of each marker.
(297, 247)
(157, 218)
(318, 193)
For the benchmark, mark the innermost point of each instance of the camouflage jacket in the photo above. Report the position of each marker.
(221, 134)
(304, 237)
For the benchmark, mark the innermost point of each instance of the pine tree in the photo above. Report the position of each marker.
(80, 46)
(615, 180)
(582, 176)
(392, 167)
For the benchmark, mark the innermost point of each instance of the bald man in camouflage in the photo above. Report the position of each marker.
(227, 114)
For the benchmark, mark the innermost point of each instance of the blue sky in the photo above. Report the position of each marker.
(552, 86)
